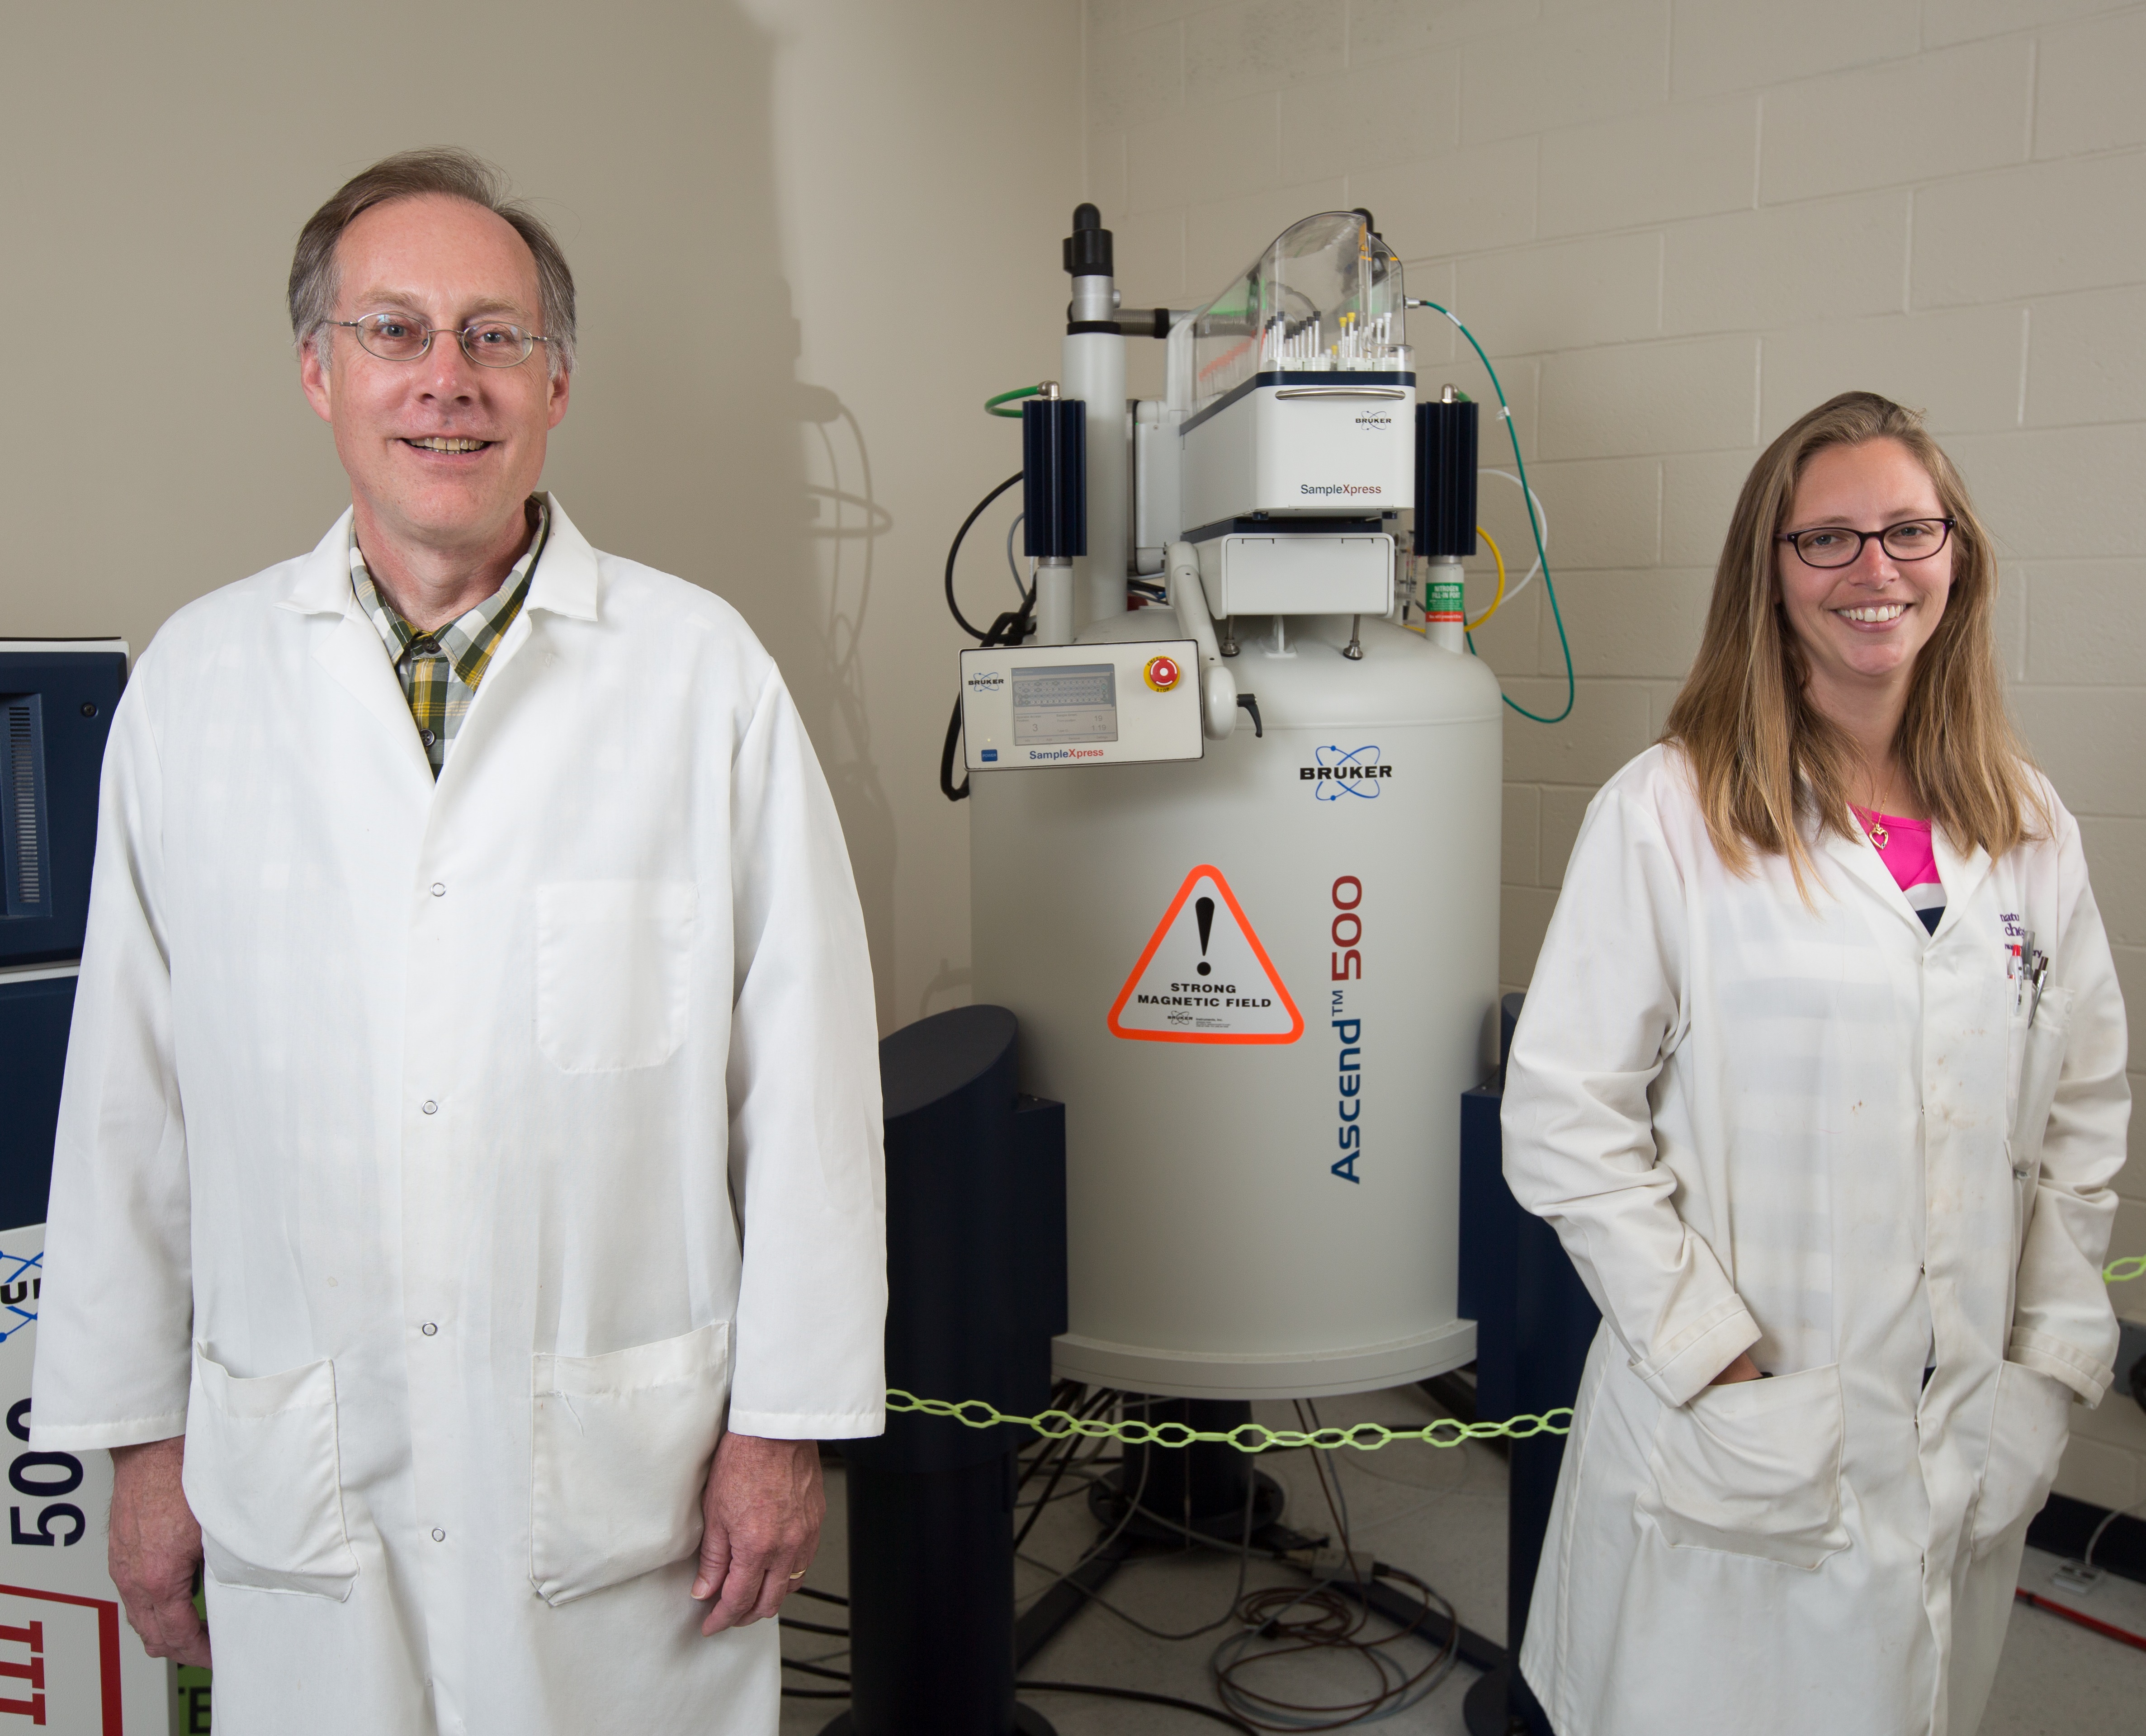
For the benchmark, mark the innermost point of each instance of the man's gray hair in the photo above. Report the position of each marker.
(409, 175)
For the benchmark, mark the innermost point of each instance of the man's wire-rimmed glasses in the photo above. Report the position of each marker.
(488, 343)
(1912, 539)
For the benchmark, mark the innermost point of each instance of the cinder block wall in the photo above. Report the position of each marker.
(1675, 225)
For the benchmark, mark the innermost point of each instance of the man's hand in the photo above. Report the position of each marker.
(156, 1546)
(1742, 1368)
(760, 1519)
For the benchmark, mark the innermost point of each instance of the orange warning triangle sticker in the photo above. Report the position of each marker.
(1205, 978)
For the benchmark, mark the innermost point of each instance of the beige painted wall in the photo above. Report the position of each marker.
(810, 237)
(850, 209)
(1676, 224)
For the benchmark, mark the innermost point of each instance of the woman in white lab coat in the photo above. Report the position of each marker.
(1831, 1146)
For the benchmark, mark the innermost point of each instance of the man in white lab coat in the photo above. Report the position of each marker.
(466, 1215)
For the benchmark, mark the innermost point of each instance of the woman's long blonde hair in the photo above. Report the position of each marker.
(1757, 747)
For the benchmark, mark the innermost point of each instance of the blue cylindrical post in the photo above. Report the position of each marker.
(975, 1234)
(1054, 459)
(1446, 434)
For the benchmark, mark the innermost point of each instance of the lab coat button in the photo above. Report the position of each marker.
(430, 1107)
(438, 1535)
(429, 1328)
(439, 891)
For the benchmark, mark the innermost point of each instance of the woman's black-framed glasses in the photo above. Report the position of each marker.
(1912, 539)
(488, 343)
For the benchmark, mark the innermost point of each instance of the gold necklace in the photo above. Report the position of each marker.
(1871, 826)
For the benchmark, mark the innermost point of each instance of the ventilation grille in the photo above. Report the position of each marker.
(28, 867)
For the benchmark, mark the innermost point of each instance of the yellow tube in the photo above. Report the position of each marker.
(1498, 602)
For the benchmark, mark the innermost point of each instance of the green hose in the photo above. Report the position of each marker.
(992, 405)
(1527, 495)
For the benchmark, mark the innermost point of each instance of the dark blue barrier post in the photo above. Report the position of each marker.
(56, 707)
(975, 1254)
(35, 1015)
(1534, 1324)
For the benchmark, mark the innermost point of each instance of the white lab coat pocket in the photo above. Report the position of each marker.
(2036, 1043)
(264, 1478)
(619, 1449)
(1753, 1468)
(613, 976)
(2030, 1419)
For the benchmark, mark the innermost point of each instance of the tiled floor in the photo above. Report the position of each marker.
(1442, 1515)
(2060, 1680)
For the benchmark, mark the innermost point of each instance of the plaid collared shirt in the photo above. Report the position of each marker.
(440, 671)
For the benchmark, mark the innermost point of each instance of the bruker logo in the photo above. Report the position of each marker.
(986, 680)
(1340, 771)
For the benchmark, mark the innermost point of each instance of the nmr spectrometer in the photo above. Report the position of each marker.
(1235, 791)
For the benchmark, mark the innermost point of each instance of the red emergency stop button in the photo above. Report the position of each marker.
(1163, 674)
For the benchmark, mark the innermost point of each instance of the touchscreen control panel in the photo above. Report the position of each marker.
(1080, 705)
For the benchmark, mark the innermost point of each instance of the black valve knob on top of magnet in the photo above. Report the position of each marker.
(1087, 249)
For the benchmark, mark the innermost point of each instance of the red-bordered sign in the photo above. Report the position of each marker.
(1214, 982)
(32, 1671)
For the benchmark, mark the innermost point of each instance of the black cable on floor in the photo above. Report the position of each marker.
(1134, 1694)
(1329, 1623)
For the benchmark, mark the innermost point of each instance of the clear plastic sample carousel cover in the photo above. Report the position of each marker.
(1326, 296)
(69, 1665)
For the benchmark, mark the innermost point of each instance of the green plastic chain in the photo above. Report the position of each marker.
(1258, 1438)
(1245, 1437)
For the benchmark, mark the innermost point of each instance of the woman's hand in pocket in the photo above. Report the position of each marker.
(762, 1515)
(1742, 1368)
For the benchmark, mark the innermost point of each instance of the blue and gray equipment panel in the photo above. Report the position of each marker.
(57, 697)
(1080, 705)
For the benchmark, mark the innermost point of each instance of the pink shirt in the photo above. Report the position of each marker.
(1908, 856)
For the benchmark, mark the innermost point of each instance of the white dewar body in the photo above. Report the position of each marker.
(1213, 1250)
